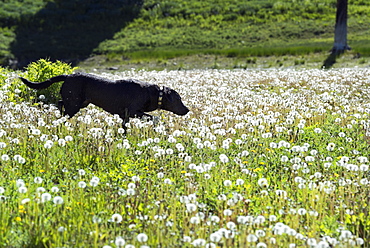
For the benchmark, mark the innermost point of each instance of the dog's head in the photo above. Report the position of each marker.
(171, 101)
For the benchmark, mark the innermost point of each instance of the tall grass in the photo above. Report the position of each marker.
(265, 158)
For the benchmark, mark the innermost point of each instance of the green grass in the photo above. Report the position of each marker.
(264, 158)
(150, 29)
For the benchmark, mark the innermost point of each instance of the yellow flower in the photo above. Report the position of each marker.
(42, 171)
(183, 172)
(18, 218)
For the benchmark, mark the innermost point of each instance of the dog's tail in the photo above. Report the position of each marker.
(45, 84)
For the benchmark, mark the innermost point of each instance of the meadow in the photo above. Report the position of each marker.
(265, 158)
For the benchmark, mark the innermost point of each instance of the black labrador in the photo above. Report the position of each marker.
(127, 98)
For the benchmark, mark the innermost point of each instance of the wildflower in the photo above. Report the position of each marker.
(58, 200)
(330, 147)
(227, 183)
(81, 172)
(215, 237)
(130, 192)
(311, 242)
(215, 219)
(119, 242)
(191, 207)
(195, 220)
(231, 225)
(22, 189)
(167, 181)
(199, 243)
(262, 182)
(252, 238)
(38, 180)
(25, 201)
(223, 158)
(81, 184)
(142, 237)
(228, 212)
(62, 142)
(5, 157)
(260, 233)
(116, 218)
(261, 245)
(18, 158)
(54, 189)
(45, 197)
(317, 130)
(239, 182)
(48, 144)
(302, 211)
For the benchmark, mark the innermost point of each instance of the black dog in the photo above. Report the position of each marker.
(127, 98)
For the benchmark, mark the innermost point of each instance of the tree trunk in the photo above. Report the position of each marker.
(340, 36)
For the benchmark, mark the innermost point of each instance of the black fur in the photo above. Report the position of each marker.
(127, 98)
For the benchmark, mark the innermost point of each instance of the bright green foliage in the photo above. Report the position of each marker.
(44, 69)
(69, 29)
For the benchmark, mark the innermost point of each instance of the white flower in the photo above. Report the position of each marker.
(215, 219)
(119, 242)
(5, 157)
(142, 237)
(62, 142)
(262, 182)
(54, 189)
(58, 200)
(191, 207)
(228, 212)
(239, 181)
(45, 197)
(130, 192)
(48, 144)
(252, 238)
(167, 181)
(81, 184)
(81, 172)
(227, 183)
(37, 180)
(22, 189)
(25, 201)
(215, 237)
(223, 158)
(116, 218)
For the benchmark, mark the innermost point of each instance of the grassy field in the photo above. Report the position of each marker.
(146, 30)
(265, 158)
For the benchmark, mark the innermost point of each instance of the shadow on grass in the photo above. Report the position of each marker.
(70, 30)
(330, 61)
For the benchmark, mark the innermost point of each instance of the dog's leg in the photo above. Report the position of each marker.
(125, 116)
(71, 109)
(60, 106)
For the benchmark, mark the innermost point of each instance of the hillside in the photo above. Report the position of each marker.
(128, 29)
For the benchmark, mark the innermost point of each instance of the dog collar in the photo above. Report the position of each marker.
(160, 97)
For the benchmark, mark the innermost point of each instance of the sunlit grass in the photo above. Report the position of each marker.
(266, 158)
